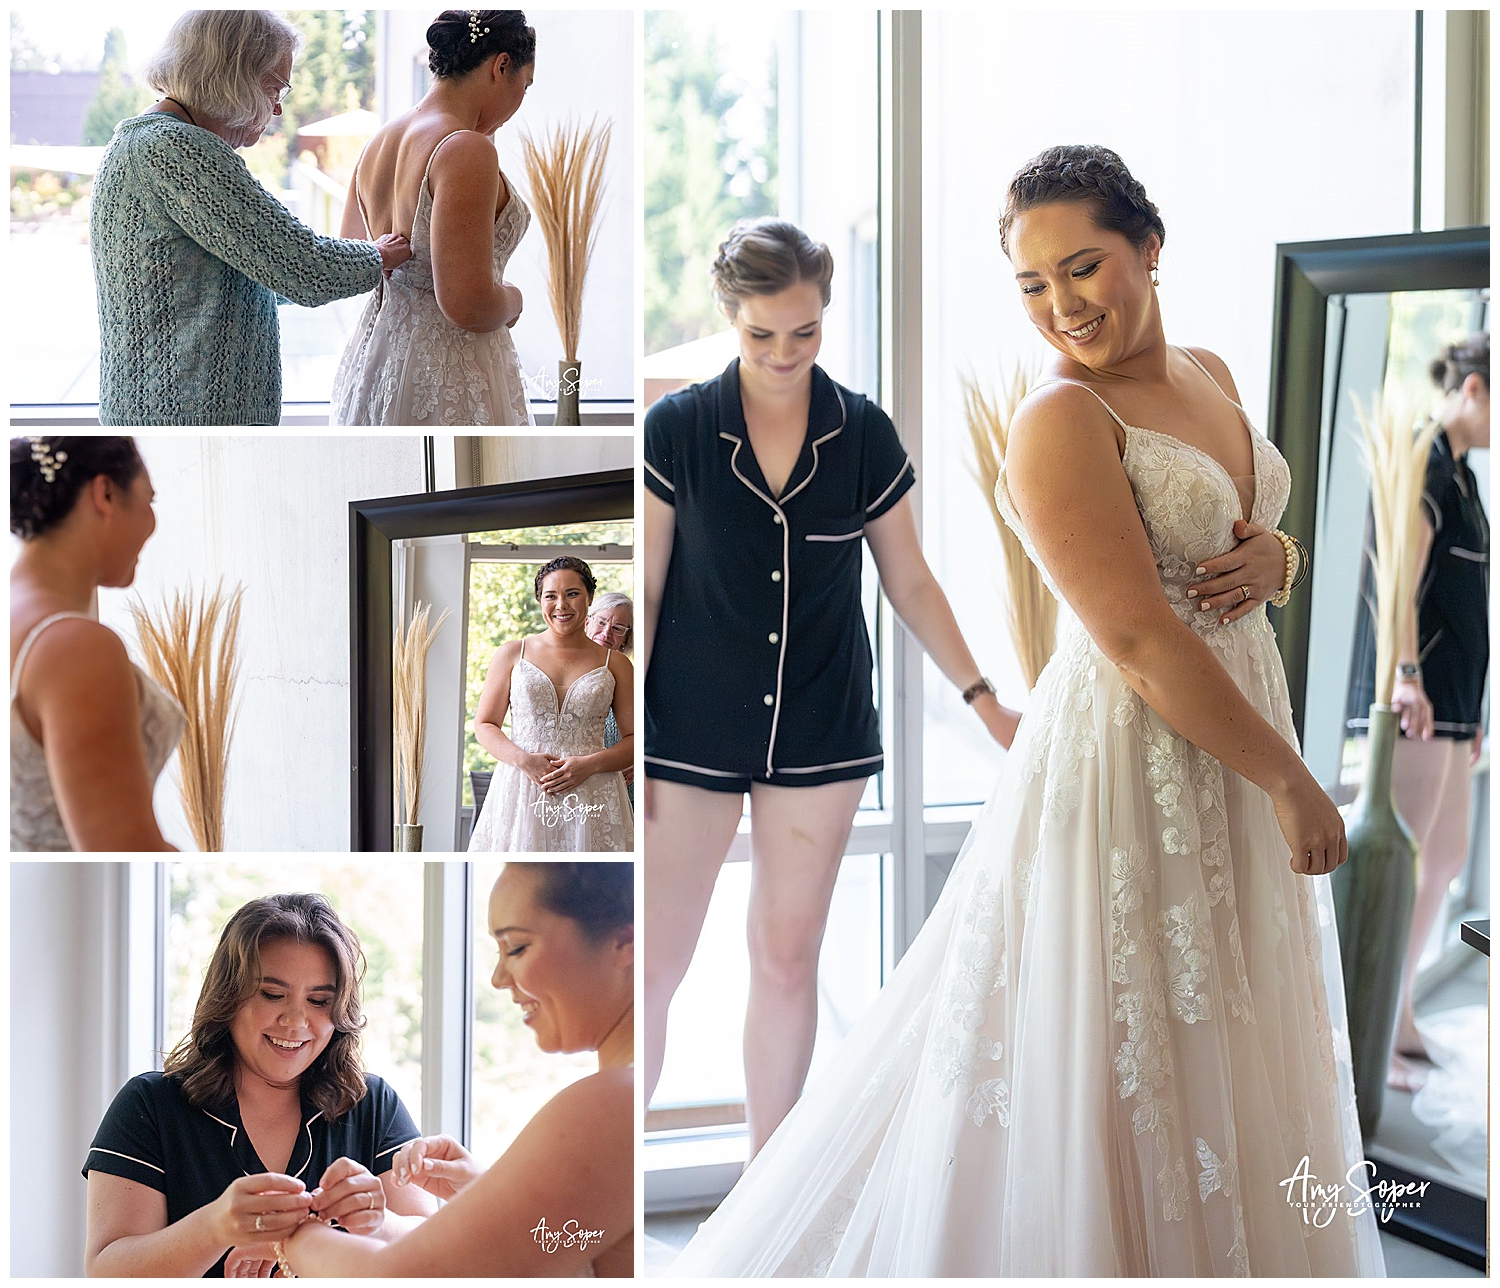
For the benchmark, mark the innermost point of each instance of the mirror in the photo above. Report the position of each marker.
(474, 553)
(1354, 318)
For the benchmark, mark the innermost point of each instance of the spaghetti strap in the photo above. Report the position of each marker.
(608, 653)
(434, 153)
(15, 671)
(1063, 380)
(523, 650)
(1191, 357)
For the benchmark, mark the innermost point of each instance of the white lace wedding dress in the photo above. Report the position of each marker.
(1122, 1027)
(406, 364)
(517, 815)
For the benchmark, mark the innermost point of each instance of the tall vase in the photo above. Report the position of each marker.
(568, 379)
(1372, 900)
(408, 838)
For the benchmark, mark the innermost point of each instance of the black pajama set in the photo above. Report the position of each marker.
(761, 670)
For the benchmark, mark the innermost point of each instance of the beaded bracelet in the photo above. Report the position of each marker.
(1293, 560)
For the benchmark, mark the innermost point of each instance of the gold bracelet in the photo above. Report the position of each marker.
(1289, 548)
(1306, 562)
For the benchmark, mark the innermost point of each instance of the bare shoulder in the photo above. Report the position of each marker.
(620, 666)
(1217, 368)
(1057, 417)
(465, 157)
(594, 1102)
(508, 653)
(77, 649)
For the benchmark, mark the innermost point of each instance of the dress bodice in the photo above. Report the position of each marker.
(574, 727)
(510, 226)
(35, 822)
(1188, 503)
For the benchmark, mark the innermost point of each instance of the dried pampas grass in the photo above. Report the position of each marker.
(192, 649)
(1395, 450)
(1031, 611)
(409, 695)
(566, 174)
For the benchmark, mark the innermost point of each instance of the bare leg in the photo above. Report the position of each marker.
(1432, 788)
(797, 839)
(687, 837)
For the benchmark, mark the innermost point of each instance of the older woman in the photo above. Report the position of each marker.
(190, 252)
(89, 731)
(263, 1117)
(559, 1201)
(612, 623)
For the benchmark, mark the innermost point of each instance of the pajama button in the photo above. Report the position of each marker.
(773, 637)
(776, 576)
(769, 700)
(775, 518)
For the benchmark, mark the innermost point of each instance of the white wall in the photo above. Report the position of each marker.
(67, 1020)
(271, 512)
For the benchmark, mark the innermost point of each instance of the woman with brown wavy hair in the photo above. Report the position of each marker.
(262, 1118)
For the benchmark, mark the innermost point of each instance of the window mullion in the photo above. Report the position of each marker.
(447, 994)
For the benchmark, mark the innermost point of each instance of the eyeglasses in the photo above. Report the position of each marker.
(618, 631)
(280, 95)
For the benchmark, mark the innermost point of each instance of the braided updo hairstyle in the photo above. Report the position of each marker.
(572, 562)
(460, 39)
(765, 256)
(1088, 173)
(598, 897)
(1460, 361)
(38, 504)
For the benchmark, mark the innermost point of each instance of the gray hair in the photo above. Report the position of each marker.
(766, 256)
(613, 599)
(215, 60)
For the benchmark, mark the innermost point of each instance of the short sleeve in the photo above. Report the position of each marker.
(663, 424)
(393, 1125)
(128, 1142)
(888, 470)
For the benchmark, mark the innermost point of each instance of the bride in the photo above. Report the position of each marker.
(1119, 1039)
(557, 788)
(433, 345)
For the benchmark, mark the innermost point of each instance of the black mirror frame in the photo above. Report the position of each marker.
(373, 525)
(1307, 274)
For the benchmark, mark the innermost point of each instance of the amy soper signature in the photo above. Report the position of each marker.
(553, 812)
(1320, 1201)
(550, 384)
(570, 1236)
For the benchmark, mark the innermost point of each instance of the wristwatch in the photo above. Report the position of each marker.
(974, 690)
(1409, 670)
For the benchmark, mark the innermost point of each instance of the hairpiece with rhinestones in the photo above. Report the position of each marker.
(46, 460)
(474, 29)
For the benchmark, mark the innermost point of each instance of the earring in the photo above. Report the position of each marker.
(1155, 276)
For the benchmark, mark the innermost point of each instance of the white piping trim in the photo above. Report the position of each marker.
(900, 474)
(838, 764)
(1437, 513)
(665, 481)
(394, 1148)
(308, 1159)
(1475, 555)
(129, 1158)
(818, 442)
(847, 536)
(233, 1130)
(697, 769)
(786, 584)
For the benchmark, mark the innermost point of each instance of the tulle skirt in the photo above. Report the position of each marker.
(518, 817)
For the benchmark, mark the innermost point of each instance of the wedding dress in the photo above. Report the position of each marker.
(407, 364)
(1122, 1028)
(517, 815)
(35, 823)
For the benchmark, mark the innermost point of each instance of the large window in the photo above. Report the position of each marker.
(75, 75)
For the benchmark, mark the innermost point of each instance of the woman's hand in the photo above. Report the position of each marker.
(350, 1195)
(513, 303)
(565, 775)
(250, 1261)
(1000, 720)
(1312, 826)
(259, 1209)
(437, 1164)
(1257, 564)
(535, 767)
(1411, 702)
(394, 250)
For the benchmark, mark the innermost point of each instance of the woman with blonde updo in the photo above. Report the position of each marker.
(761, 487)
